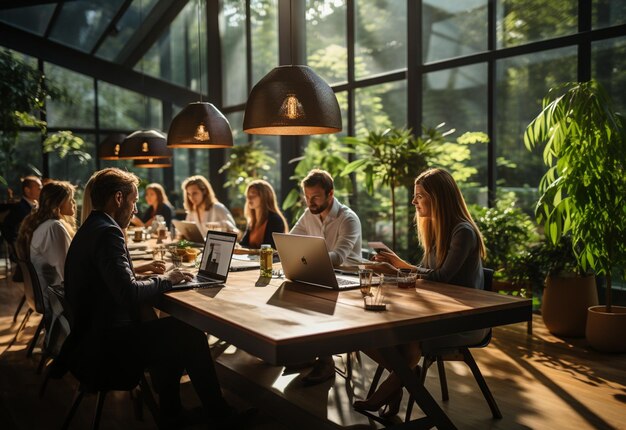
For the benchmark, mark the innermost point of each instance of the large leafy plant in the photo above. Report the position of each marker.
(23, 90)
(246, 163)
(584, 189)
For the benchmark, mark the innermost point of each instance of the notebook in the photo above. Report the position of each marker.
(244, 262)
(218, 250)
(189, 230)
(305, 259)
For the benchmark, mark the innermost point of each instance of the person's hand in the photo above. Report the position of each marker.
(393, 259)
(156, 266)
(177, 276)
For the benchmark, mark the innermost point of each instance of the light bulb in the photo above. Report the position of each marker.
(291, 107)
(202, 133)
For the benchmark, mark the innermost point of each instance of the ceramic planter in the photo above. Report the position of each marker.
(605, 331)
(565, 303)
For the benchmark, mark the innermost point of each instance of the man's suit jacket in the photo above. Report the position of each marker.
(11, 224)
(100, 285)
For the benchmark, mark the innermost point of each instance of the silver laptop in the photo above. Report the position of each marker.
(305, 259)
(218, 250)
(189, 230)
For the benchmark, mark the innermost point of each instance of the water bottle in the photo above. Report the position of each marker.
(266, 259)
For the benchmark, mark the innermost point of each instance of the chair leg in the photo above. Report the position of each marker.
(99, 405)
(78, 397)
(42, 361)
(148, 398)
(442, 379)
(529, 326)
(44, 383)
(19, 308)
(491, 401)
(375, 380)
(137, 403)
(22, 324)
(33, 341)
(422, 377)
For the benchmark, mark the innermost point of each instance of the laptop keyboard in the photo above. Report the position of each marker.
(343, 281)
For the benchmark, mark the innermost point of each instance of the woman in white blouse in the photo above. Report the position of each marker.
(203, 207)
(45, 236)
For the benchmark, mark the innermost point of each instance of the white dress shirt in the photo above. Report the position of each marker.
(341, 229)
(217, 213)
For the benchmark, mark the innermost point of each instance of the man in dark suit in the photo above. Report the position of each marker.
(105, 298)
(31, 188)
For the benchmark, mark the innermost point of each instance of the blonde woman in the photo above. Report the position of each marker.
(453, 250)
(262, 214)
(45, 236)
(203, 207)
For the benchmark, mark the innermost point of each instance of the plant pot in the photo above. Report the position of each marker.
(565, 303)
(605, 331)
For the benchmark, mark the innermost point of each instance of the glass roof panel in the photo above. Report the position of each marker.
(32, 18)
(81, 23)
(125, 28)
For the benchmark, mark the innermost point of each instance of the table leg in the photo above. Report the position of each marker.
(422, 397)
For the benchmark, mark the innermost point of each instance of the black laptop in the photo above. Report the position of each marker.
(218, 250)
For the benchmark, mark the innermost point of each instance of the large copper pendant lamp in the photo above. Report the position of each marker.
(292, 100)
(144, 145)
(109, 148)
(153, 163)
(200, 124)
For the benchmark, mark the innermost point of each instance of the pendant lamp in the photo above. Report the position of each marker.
(292, 100)
(109, 148)
(153, 163)
(200, 124)
(143, 145)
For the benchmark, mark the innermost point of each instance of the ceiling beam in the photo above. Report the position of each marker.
(77, 61)
(15, 4)
(160, 17)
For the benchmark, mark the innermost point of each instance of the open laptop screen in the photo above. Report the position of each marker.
(218, 250)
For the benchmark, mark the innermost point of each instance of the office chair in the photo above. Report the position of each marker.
(439, 356)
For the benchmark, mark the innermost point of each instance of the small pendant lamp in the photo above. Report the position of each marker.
(109, 148)
(292, 100)
(143, 145)
(153, 163)
(200, 124)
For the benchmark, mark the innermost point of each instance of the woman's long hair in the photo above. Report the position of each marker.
(160, 193)
(207, 191)
(447, 209)
(53, 195)
(268, 204)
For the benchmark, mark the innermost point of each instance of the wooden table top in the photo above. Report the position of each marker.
(284, 322)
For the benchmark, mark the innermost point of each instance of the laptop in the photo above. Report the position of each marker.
(189, 230)
(305, 259)
(218, 250)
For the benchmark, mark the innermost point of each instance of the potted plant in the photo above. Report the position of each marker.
(584, 191)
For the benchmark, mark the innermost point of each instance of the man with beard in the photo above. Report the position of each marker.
(340, 227)
(108, 335)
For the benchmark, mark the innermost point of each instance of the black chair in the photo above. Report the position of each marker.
(461, 353)
(16, 277)
(34, 298)
(99, 380)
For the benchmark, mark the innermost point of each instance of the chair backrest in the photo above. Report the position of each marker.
(60, 324)
(32, 289)
(488, 279)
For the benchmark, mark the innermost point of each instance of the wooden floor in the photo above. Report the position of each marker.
(539, 382)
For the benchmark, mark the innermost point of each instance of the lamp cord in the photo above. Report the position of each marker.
(291, 32)
(199, 50)
(143, 86)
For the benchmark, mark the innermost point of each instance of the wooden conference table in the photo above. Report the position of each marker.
(283, 322)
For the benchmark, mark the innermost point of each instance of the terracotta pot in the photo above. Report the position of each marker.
(565, 303)
(605, 331)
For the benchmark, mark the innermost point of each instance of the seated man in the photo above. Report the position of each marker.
(326, 217)
(105, 298)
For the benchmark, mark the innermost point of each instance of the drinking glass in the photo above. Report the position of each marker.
(406, 278)
(365, 281)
